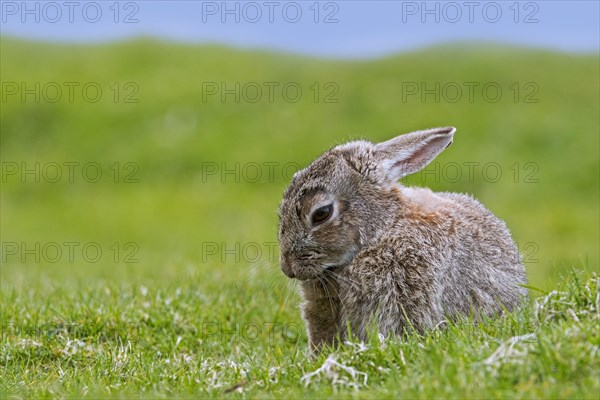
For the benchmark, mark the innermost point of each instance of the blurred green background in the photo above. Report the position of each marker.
(179, 217)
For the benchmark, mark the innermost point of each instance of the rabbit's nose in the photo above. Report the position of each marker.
(287, 271)
(286, 266)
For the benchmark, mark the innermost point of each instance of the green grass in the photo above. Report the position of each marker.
(177, 318)
(198, 340)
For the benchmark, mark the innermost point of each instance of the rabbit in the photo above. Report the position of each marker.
(368, 250)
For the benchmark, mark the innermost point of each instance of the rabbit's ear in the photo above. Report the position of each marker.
(409, 153)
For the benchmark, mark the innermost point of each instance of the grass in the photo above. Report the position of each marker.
(195, 340)
(186, 299)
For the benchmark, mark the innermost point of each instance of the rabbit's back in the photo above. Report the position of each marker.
(485, 270)
(443, 259)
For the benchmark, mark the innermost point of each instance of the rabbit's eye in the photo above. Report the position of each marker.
(321, 214)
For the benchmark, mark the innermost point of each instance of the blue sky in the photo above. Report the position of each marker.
(353, 29)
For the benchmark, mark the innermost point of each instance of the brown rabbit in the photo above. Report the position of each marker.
(368, 249)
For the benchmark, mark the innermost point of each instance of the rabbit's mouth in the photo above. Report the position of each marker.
(315, 264)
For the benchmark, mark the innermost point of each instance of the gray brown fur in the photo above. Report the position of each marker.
(392, 255)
